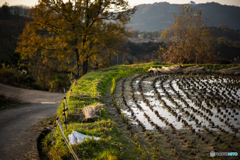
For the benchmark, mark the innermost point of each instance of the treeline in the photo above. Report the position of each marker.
(13, 20)
(225, 52)
(141, 52)
(225, 45)
(224, 32)
(221, 32)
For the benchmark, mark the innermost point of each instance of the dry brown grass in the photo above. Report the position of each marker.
(179, 69)
(234, 70)
(90, 112)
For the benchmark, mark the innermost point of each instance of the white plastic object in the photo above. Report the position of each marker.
(76, 137)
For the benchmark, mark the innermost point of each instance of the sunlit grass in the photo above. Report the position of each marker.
(87, 91)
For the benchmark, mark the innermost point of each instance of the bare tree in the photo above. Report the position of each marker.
(188, 39)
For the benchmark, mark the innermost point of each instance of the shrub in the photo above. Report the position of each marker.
(60, 81)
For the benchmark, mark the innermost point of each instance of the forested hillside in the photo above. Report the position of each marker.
(152, 17)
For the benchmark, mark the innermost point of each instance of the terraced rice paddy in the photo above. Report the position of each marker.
(182, 116)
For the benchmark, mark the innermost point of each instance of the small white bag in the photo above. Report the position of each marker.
(77, 137)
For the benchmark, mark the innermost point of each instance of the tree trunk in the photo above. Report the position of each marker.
(85, 66)
(196, 60)
(77, 55)
(109, 59)
(77, 61)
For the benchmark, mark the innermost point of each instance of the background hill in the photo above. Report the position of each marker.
(153, 17)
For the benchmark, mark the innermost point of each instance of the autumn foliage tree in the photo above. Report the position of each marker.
(188, 40)
(66, 35)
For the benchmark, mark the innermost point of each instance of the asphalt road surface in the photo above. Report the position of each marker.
(19, 126)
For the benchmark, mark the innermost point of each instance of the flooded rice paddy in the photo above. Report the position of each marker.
(188, 116)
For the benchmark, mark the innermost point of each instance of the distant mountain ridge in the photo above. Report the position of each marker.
(152, 17)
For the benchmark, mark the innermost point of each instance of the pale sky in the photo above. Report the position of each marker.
(131, 2)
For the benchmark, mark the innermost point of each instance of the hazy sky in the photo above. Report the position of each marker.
(132, 2)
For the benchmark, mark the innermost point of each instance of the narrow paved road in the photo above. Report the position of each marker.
(19, 125)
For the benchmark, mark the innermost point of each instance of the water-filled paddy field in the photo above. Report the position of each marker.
(184, 116)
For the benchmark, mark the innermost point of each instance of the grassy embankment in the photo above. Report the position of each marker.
(116, 141)
(112, 144)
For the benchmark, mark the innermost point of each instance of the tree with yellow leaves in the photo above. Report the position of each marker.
(64, 36)
(188, 40)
